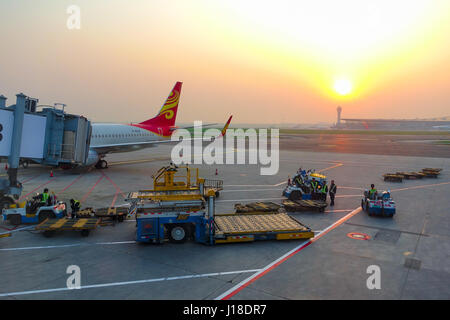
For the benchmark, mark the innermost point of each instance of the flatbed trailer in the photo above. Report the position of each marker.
(431, 172)
(247, 228)
(304, 205)
(112, 213)
(257, 208)
(410, 175)
(393, 177)
(50, 226)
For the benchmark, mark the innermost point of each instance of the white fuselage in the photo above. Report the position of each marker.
(120, 137)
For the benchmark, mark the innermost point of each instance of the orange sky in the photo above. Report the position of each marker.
(262, 61)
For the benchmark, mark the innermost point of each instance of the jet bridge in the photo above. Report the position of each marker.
(48, 136)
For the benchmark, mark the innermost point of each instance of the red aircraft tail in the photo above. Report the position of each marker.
(167, 115)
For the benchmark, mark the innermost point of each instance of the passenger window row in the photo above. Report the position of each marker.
(120, 135)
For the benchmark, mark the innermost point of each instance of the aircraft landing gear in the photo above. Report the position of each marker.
(101, 164)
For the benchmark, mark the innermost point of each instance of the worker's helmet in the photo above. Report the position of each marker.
(45, 190)
(372, 186)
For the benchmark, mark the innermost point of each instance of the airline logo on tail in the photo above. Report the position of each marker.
(171, 103)
(162, 123)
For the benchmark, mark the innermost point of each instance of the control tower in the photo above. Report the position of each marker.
(339, 110)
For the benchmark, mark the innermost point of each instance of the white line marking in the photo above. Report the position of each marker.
(303, 243)
(15, 230)
(299, 247)
(68, 245)
(112, 284)
(42, 247)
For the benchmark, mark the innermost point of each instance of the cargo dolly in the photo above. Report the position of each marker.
(246, 228)
(410, 175)
(393, 177)
(304, 205)
(431, 172)
(257, 208)
(50, 226)
(118, 214)
(424, 173)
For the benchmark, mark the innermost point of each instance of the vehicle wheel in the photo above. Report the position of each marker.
(44, 215)
(84, 232)
(15, 219)
(25, 164)
(103, 164)
(5, 202)
(178, 234)
(295, 195)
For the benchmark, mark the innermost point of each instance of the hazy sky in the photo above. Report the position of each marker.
(262, 61)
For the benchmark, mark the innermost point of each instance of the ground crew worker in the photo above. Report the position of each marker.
(332, 192)
(372, 192)
(314, 186)
(323, 192)
(44, 197)
(75, 205)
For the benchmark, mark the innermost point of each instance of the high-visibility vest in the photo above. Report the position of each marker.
(372, 191)
(44, 197)
(324, 189)
(333, 188)
(314, 185)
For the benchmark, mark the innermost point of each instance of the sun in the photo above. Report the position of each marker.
(342, 86)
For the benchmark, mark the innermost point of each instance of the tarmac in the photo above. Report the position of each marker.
(411, 250)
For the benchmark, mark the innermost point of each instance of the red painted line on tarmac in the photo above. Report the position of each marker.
(93, 187)
(9, 229)
(44, 184)
(227, 295)
(31, 178)
(67, 187)
(112, 182)
(115, 198)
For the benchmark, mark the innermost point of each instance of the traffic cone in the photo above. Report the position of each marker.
(217, 172)
(6, 166)
(51, 173)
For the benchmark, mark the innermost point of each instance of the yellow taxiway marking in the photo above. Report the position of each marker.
(335, 166)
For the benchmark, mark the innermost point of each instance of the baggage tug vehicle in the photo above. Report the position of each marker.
(180, 210)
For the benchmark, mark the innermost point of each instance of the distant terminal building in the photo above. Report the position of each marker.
(442, 123)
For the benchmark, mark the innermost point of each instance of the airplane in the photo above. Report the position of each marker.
(117, 138)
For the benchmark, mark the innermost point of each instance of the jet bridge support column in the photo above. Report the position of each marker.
(14, 157)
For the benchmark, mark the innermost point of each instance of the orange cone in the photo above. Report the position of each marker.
(217, 172)
(51, 173)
